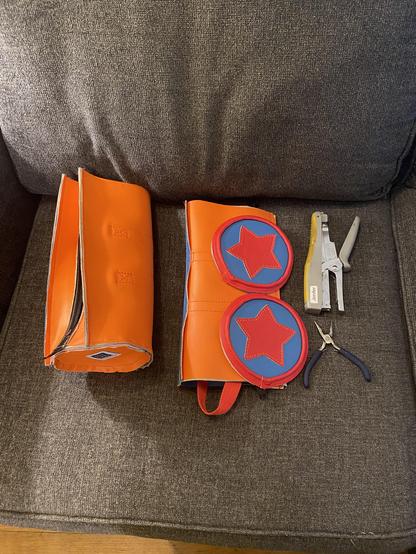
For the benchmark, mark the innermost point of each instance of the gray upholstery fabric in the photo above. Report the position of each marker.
(289, 99)
(329, 469)
(17, 210)
(404, 210)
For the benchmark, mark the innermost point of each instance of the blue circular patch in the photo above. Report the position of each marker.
(250, 321)
(234, 234)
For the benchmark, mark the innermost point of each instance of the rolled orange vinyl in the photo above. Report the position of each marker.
(110, 222)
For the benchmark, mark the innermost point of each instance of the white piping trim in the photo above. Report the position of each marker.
(52, 249)
(101, 345)
(81, 246)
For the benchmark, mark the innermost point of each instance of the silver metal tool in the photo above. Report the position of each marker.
(322, 260)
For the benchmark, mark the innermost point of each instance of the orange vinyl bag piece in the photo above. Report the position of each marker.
(207, 295)
(99, 307)
(236, 327)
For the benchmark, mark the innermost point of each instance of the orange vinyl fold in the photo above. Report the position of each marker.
(100, 284)
(208, 295)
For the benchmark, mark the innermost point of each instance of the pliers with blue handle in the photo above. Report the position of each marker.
(328, 340)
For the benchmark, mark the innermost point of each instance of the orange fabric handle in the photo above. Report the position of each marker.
(229, 395)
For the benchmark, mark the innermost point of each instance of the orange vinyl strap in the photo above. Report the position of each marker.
(229, 395)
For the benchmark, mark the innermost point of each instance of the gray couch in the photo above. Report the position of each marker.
(292, 106)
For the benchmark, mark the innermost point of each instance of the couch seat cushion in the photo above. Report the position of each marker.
(330, 468)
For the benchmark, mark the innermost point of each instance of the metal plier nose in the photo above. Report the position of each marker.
(328, 340)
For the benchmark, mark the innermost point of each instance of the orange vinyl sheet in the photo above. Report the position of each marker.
(207, 294)
(111, 223)
(62, 265)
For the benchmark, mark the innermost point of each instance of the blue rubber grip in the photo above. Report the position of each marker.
(311, 364)
(359, 363)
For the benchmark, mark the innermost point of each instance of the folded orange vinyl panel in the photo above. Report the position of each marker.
(207, 295)
(236, 329)
(99, 308)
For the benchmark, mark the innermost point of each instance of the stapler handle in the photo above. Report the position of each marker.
(348, 245)
(313, 289)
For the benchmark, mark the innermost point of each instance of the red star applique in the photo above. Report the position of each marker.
(265, 336)
(255, 252)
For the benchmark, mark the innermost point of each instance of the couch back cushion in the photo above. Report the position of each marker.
(211, 98)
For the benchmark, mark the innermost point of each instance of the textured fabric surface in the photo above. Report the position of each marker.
(17, 210)
(329, 469)
(289, 99)
(404, 210)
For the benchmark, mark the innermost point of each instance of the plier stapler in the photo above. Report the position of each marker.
(322, 260)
